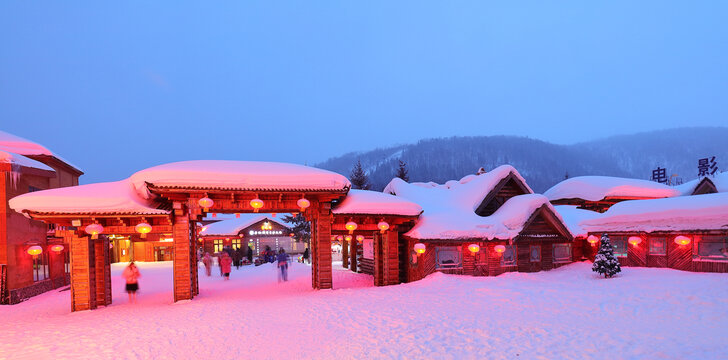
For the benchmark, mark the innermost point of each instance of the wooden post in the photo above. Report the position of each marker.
(378, 260)
(194, 261)
(345, 253)
(352, 254)
(103, 271)
(390, 246)
(182, 274)
(83, 274)
(321, 248)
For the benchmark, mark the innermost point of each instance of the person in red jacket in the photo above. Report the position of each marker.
(226, 263)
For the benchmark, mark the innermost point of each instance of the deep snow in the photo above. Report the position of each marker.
(567, 313)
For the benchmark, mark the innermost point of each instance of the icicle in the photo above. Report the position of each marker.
(14, 175)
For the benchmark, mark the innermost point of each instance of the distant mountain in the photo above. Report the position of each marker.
(544, 164)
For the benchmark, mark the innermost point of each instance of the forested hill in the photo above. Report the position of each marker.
(543, 164)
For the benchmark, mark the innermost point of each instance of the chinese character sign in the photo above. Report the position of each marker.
(659, 175)
(707, 166)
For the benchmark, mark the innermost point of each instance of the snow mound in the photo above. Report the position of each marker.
(18, 145)
(720, 181)
(684, 213)
(365, 202)
(574, 217)
(102, 198)
(240, 175)
(595, 188)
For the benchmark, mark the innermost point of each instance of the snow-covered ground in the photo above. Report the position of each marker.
(567, 313)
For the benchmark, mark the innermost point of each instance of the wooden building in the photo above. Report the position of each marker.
(686, 233)
(483, 225)
(598, 193)
(26, 167)
(256, 231)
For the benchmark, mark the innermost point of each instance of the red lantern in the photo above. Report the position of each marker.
(348, 237)
(383, 226)
(634, 240)
(360, 238)
(303, 204)
(35, 250)
(143, 228)
(256, 204)
(682, 240)
(57, 248)
(206, 203)
(351, 226)
(420, 248)
(593, 240)
(474, 248)
(500, 249)
(94, 230)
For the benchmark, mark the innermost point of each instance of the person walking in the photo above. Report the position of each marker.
(250, 254)
(282, 264)
(219, 261)
(131, 275)
(238, 257)
(306, 255)
(226, 265)
(207, 261)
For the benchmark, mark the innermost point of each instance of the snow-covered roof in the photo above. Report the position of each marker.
(573, 218)
(720, 180)
(231, 227)
(595, 188)
(365, 202)
(18, 145)
(20, 160)
(240, 175)
(683, 213)
(449, 209)
(99, 199)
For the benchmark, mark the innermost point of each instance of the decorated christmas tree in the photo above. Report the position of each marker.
(605, 262)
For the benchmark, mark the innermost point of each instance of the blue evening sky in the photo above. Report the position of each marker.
(116, 87)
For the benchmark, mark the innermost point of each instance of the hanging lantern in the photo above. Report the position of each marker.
(474, 248)
(303, 204)
(35, 250)
(204, 228)
(237, 215)
(339, 238)
(143, 229)
(682, 240)
(383, 226)
(57, 248)
(500, 249)
(634, 240)
(348, 237)
(94, 230)
(360, 238)
(256, 204)
(420, 248)
(593, 240)
(206, 203)
(351, 226)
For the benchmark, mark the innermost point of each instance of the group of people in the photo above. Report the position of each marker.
(228, 258)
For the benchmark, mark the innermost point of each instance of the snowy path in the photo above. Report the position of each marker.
(564, 313)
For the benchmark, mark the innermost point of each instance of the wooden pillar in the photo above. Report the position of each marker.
(83, 274)
(194, 261)
(352, 254)
(345, 253)
(386, 263)
(321, 248)
(390, 242)
(103, 271)
(182, 274)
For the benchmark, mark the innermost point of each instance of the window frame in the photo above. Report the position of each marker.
(651, 251)
(455, 249)
(530, 253)
(720, 240)
(562, 260)
(503, 262)
(622, 240)
(40, 268)
(216, 243)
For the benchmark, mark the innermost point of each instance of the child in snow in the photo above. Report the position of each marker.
(283, 264)
(226, 263)
(207, 261)
(132, 275)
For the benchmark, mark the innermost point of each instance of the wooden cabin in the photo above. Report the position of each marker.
(256, 231)
(27, 167)
(685, 233)
(463, 227)
(599, 193)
